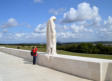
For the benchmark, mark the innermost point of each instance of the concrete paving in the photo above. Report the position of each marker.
(13, 68)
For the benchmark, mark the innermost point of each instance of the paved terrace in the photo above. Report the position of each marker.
(13, 68)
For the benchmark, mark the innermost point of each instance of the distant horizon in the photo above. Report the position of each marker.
(65, 42)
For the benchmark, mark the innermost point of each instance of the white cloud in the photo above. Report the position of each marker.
(65, 27)
(39, 35)
(81, 32)
(41, 28)
(105, 31)
(10, 23)
(76, 28)
(56, 12)
(107, 25)
(18, 35)
(67, 35)
(38, 1)
(83, 12)
(88, 30)
(109, 21)
(80, 28)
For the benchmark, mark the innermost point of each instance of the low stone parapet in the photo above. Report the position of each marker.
(17, 52)
(89, 68)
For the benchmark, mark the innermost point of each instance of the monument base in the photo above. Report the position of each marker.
(90, 68)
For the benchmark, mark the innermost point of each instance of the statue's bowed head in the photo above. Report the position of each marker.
(53, 18)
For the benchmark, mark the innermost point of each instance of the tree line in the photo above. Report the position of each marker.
(90, 48)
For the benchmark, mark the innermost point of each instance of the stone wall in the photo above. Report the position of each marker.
(17, 52)
(89, 68)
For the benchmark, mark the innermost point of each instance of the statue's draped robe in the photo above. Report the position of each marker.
(51, 37)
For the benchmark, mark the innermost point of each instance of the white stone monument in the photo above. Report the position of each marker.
(51, 36)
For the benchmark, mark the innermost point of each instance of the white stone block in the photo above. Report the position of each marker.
(89, 68)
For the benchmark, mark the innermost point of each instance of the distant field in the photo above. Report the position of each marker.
(42, 48)
(86, 55)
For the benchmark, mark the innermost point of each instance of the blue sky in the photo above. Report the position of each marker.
(24, 21)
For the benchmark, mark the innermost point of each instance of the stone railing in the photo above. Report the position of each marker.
(89, 68)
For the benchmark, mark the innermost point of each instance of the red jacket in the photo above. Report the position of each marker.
(34, 51)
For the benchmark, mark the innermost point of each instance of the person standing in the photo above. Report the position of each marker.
(34, 51)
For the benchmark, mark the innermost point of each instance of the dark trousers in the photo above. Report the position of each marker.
(34, 59)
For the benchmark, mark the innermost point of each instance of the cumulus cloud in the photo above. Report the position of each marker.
(67, 35)
(80, 28)
(82, 13)
(37, 1)
(41, 28)
(103, 30)
(109, 21)
(18, 35)
(32, 37)
(10, 23)
(57, 12)
(65, 27)
(81, 32)
(77, 28)
(106, 29)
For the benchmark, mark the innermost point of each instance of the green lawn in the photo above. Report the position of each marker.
(43, 49)
(85, 55)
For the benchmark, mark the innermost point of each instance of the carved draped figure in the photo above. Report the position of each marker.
(51, 36)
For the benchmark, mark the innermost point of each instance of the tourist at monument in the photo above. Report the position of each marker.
(34, 54)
